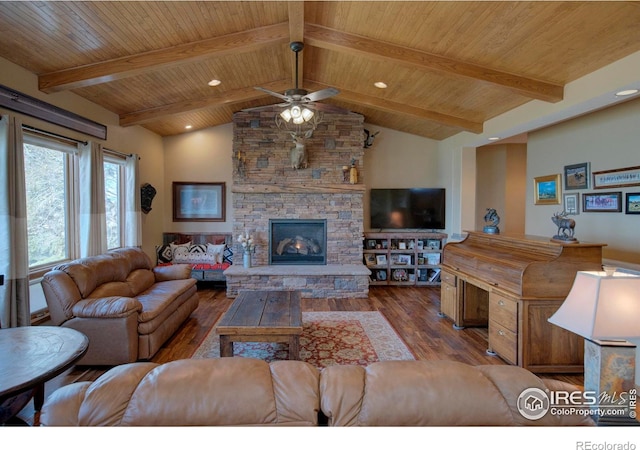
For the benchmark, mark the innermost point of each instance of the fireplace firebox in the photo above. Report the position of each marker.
(297, 241)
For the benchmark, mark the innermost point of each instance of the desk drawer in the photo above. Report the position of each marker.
(503, 311)
(448, 278)
(504, 342)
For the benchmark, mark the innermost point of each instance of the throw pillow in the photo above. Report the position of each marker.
(217, 251)
(164, 254)
(227, 256)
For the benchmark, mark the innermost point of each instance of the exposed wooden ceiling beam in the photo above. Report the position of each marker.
(236, 96)
(241, 42)
(296, 33)
(401, 108)
(331, 39)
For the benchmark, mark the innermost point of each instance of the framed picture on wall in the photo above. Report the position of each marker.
(198, 202)
(572, 204)
(576, 176)
(547, 190)
(602, 202)
(633, 203)
(628, 176)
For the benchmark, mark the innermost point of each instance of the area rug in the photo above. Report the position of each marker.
(328, 338)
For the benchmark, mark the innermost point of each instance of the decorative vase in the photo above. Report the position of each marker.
(246, 259)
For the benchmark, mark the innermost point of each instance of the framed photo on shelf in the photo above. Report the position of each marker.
(371, 243)
(198, 202)
(433, 244)
(576, 176)
(370, 259)
(547, 190)
(604, 202)
(381, 259)
(381, 275)
(633, 203)
(572, 204)
(404, 259)
(628, 176)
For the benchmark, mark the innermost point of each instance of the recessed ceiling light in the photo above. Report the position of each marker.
(214, 83)
(626, 92)
(494, 138)
(380, 84)
(188, 127)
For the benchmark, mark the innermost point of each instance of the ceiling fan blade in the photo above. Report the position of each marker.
(275, 94)
(326, 107)
(321, 94)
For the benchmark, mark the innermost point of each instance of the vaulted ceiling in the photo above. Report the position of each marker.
(449, 66)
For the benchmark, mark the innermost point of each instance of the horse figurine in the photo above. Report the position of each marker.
(565, 226)
(298, 154)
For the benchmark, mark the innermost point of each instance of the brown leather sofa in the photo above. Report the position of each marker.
(125, 306)
(246, 391)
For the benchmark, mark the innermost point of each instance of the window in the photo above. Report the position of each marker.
(50, 168)
(114, 200)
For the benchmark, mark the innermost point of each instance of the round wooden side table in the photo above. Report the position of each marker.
(30, 356)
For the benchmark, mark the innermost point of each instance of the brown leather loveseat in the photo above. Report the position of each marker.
(246, 391)
(125, 306)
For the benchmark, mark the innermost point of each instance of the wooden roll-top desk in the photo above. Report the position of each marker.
(512, 284)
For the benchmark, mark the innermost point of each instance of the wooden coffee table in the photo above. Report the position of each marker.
(262, 316)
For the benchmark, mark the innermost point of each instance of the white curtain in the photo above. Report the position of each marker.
(14, 258)
(133, 212)
(93, 222)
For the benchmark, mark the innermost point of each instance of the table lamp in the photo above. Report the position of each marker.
(604, 308)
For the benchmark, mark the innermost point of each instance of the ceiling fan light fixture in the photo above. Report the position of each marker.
(286, 115)
(298, 120)
(296, 112)
(307, 114)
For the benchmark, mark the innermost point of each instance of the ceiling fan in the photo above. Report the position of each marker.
(299, 103)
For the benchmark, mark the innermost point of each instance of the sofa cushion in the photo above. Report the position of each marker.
(107, 307)
(207, 392)
(89, 273)
(431, 393)
(161, 299)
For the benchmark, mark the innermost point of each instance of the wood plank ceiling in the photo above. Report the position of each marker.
(449, 66)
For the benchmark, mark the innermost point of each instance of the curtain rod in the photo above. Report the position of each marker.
(117, 152)
(59, 136)
(49, 133)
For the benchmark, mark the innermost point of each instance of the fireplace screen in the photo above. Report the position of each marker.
(297, 241)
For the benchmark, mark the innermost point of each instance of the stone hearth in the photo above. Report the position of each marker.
(265, 186)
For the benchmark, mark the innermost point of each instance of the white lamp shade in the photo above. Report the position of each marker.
(286, 115)
(601, 306)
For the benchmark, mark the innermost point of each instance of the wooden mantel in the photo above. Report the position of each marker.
(297, 188)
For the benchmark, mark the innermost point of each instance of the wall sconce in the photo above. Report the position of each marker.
(604, 308)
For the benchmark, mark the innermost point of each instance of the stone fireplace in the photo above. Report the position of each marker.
(297, 241)
(267, 189)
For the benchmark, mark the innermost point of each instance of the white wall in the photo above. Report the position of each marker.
(400, 160)
(608, 139)
(201, 156)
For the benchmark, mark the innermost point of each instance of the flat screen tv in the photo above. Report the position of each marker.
(413, 208)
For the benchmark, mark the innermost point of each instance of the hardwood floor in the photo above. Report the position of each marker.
(413, 312)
